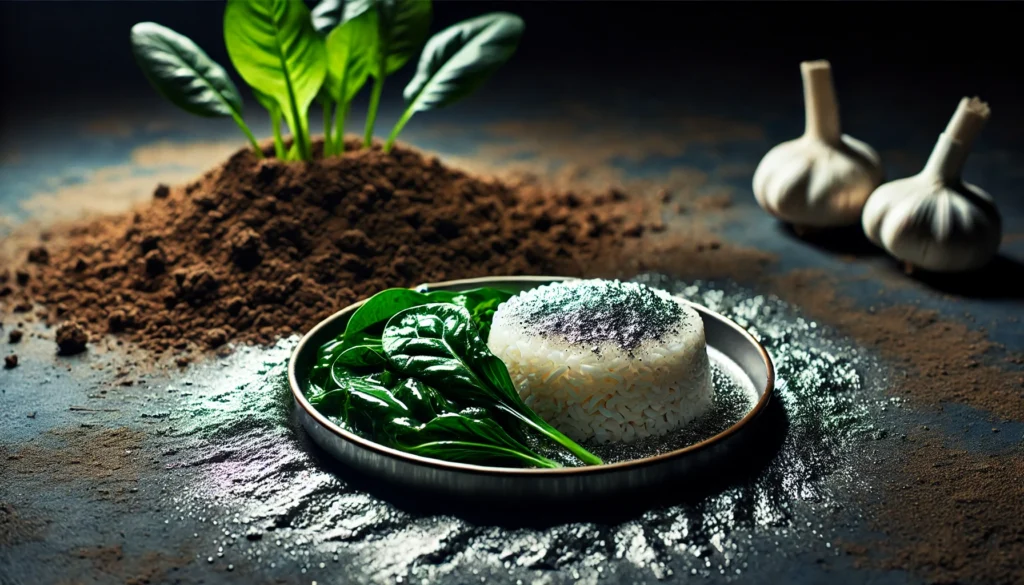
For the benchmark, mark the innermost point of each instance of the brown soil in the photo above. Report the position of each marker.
(952, 516)
(942, 360)
(256, 249)
(142, 569)
(11, 361)
(16, 528)
(109, 459)
(955, 516)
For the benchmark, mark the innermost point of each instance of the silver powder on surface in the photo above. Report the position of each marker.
(249, 482)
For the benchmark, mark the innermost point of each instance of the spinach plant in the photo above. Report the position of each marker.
(291, 56)
(413, 371)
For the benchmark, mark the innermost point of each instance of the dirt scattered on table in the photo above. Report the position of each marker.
(11, 361)
(942, 360)
(71, 338)
(143, 569)
(257, 250)
(111, 460)
(16, 527)
(953, 516)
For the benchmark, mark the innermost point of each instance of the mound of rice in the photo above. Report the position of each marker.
(605, 360)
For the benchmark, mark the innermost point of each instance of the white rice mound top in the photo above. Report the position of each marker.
(605, 360)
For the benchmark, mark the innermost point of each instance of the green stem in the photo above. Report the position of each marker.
(296, 123)
(552, 433)
(398, 128)
(339, 121)
(252, 139)
(328, 142)
(275, 122)
(378, 89)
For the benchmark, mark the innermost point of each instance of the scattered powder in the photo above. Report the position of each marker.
(942, 360)
(954, 516)
(16, 527)
(592, 312)
(110, 459)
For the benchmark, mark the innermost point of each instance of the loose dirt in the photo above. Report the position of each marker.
(257, 250)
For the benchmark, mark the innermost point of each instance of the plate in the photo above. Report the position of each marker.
(730, 347)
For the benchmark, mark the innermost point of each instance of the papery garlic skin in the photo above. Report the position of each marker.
(934, 220)
(823, 178)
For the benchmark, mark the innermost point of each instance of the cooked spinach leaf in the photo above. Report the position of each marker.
(438, 344)
(415, 418)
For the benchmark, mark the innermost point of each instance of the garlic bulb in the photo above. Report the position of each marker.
(934, 220)
(822, 178)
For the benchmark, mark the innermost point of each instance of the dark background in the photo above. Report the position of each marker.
(60, 51)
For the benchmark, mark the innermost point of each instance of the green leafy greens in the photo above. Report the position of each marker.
(412, 371)
(291, 56)
(458, 60)
(185, 75)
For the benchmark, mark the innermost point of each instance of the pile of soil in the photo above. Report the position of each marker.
(259, 249)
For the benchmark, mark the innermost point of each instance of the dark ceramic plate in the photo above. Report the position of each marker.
(731, 348)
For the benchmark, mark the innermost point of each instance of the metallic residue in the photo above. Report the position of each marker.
(280, 507)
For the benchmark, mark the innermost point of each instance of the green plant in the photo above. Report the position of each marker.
(291, 56)
(186, 76)
(434, 340)
(274, 47)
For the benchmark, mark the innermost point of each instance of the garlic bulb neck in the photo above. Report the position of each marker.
(821, 179)
(950, 153)
(934, 220)
(820, 105)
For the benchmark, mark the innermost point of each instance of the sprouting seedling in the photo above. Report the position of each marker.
(402, 26)
(458, 60)
(275, 49)
(185, 75)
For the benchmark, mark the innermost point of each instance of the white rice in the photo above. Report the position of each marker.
(600, 390)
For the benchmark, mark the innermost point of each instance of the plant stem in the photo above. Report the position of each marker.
(252, 139)
(275, 123)
(531, 418)
(820, 105)
(296, 123)
(378, 89)
(328, 143)
(398, 128)
(339, 122)
(947, 159)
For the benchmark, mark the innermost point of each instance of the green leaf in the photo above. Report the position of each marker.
(457, 61)
(183, 73)
(362, 356)
(326, 15)
(438, 344)
(403, 25)
(455, 437)
(275, 49)
(350, 52)
(423, 401)
(381, 307)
